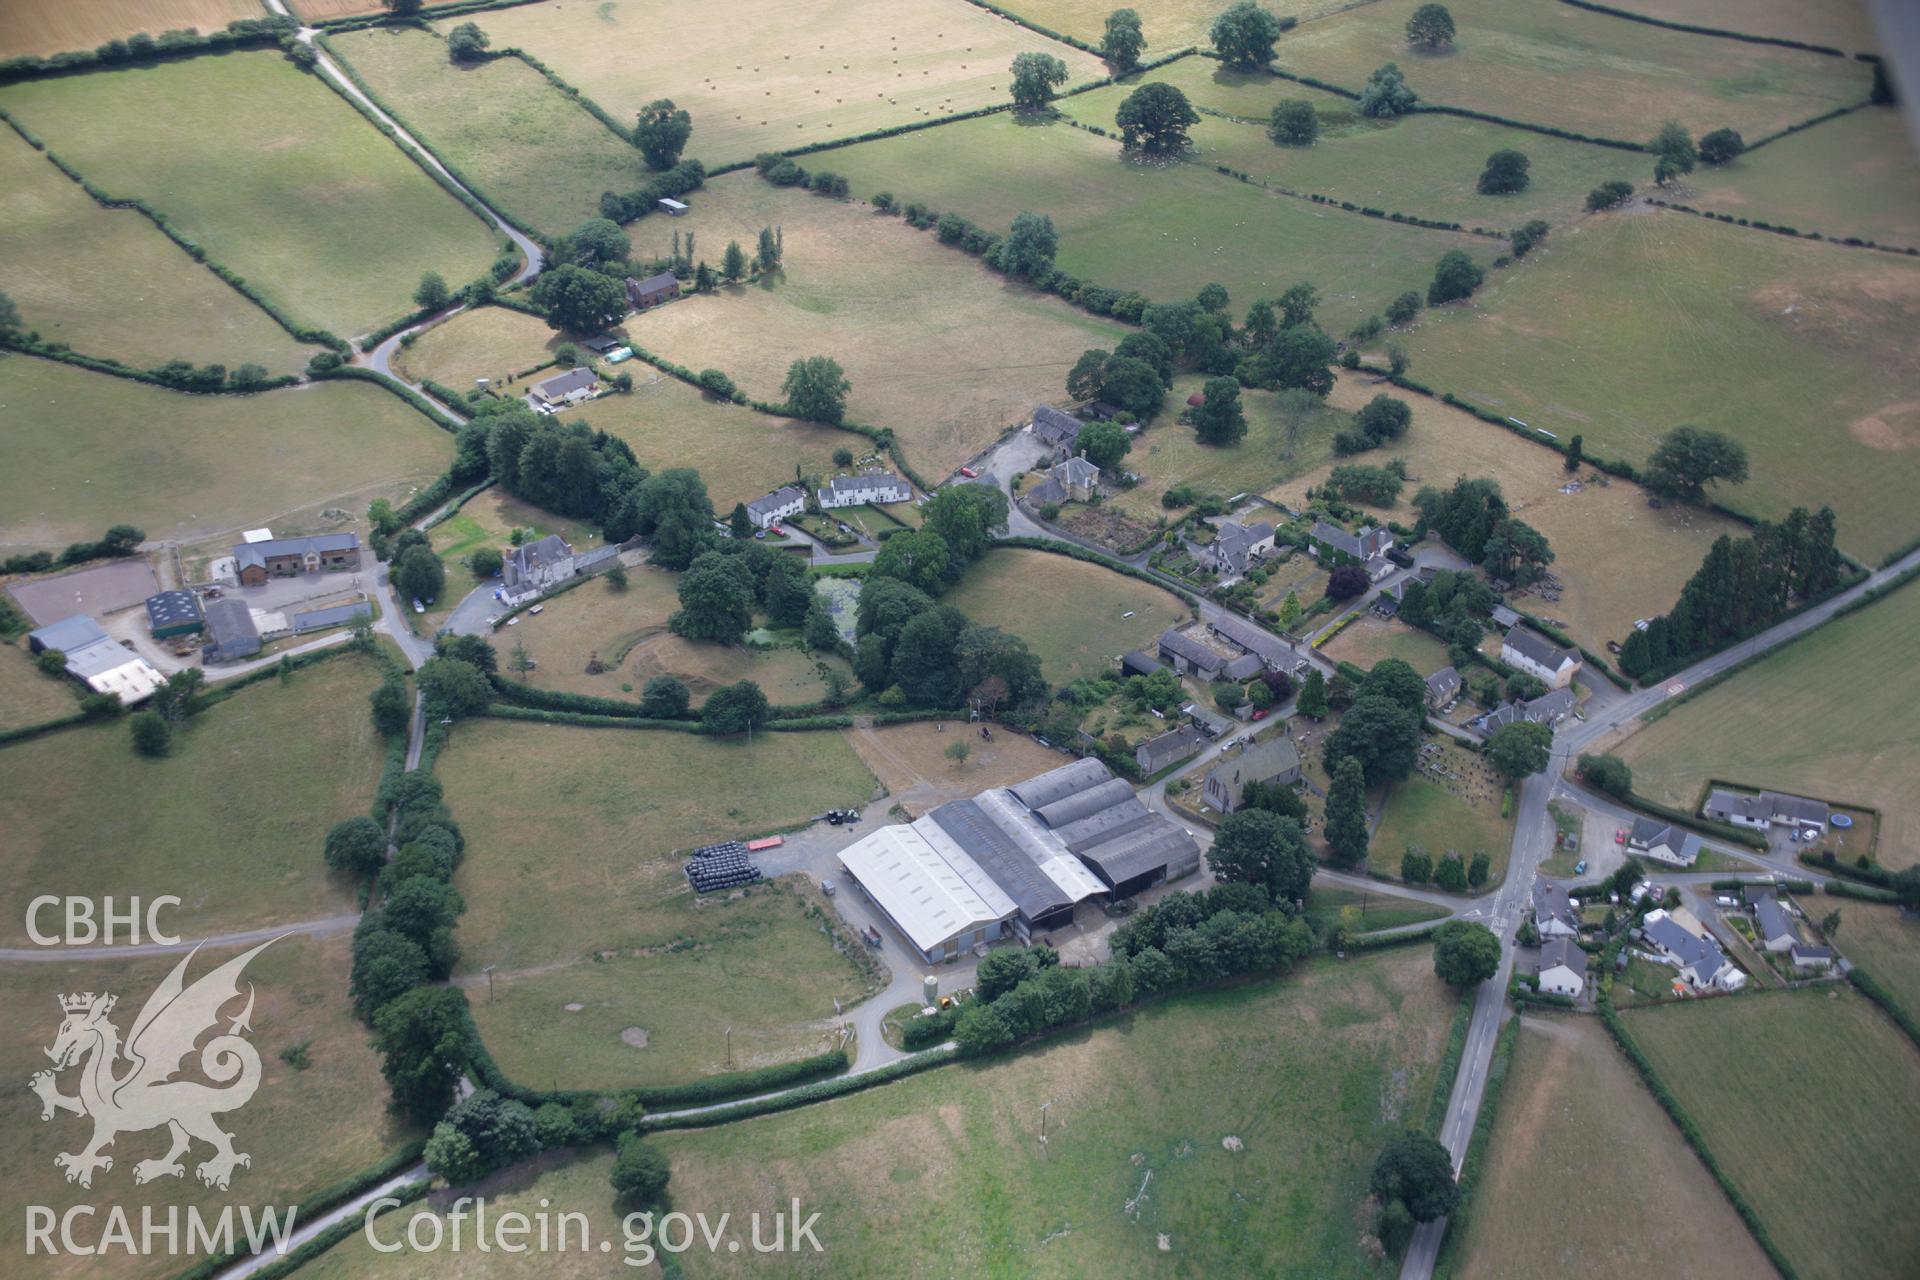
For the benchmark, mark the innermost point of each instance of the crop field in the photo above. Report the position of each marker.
(1885, 942)
(109, 283)
(1552, 64)
(1116, 229)
(1445, 815)
(1813, 371)
(192, 823)
(533, 152)
(1370, 639)
(269, 171)
(1852, 757)
(1423, 165)
(28, 695)
(1555, 1207)
(1855, 176)
(574, 889)
(56, 26)
(1072, 614)
(89, 450)
(948, 378)
(773, 76)
(305, 1129)
(1840, 24)
(1821, 1116)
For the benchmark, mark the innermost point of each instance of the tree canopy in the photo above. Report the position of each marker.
(1520, 749)
(1256, 846)
(1430, 27)
(1688, 459)
(1506, 173)
(1464, 953)
(1220, 420)
(661, 133)
(1035, 77)
(1294, 123)
(1386, 94)
(1029, 247)
(1416, 1171)
(1124, 41)
(1154, 119)
(1243, 35)
(1455, 276)
(579, 300)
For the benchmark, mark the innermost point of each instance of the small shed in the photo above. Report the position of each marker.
(673, 208)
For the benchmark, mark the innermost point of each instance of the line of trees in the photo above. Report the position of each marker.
(1473, 519)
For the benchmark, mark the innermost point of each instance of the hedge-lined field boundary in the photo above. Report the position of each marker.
(1693, 29)
(112, 368)
(1477, 1143)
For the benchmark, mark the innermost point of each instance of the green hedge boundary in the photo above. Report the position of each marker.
(805, 1095)
(354, 373)
(360, 22)
(115, 369)
(1382, 941)
(1693, 822)
(265, 32)
(1692, 29)
(1074, 551)
(1861, 892)
(23, 732)
(1869, 986)
(1477, 1143)
(1443, 1080)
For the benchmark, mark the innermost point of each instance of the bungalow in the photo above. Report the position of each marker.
(1553, 911)
(537, 566)
(563, 389)
(1237, 546)
(1274, 653)
(869, 488)
(1766, 810)
(255, 562)
(1171, 747)
(1773, 928)
(1060, 432)
(1807, 956)
(1332, 545)
(1188, 656)
(1533, 653)
(1563, 967)
(654, 290)
(97, 660)
(1276, 760)
(788, 500)
(1663, 842)
(1697, 957)
(1443, 689)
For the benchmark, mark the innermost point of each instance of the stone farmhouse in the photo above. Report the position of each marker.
(769, 510)
(869, 488)
(254, 562)
(654, 290)
(1276, 760)
(1331, 545)
(536, 566)
(1529, 651)
(1074, 479)
(1236, 547)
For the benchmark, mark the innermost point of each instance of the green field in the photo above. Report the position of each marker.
(89, 450)
(231, 822)
(1069, 612)
(1443, 817)
(1370, 639)
(1372, 910)
(1168, 24)
(536, 155)
(1885, 942)
(1798, 350)
(1837, 750)
(574, 890)
(1811, 1102)
(1855, 176)
(269, 171)
(305, 1129)
(1556, 65)
(109, 283)
(28, 695)
(1580, 1147)
(1423, 165)
(1163, 229)
(1840, 24)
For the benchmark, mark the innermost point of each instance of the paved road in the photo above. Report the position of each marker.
(302, 1234)
(1533, 843)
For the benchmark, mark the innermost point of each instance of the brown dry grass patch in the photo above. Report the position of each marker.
(55, 26)
(911, 761)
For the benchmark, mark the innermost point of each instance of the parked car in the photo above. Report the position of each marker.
(417, 606)
(1260, 714)
(1580, 867)
(826, 887)
(776, 531)
(1725, 900)
(1620, 836)
(969, 473)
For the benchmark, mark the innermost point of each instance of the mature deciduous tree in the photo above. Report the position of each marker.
(1294, 123)
(1123, 42)
(1381, 733)
(1506, 173)
(1688, 459)
(1035, 77)
(816, 389)
(1520, 749)
(1430, 27)
(423, 1038)
(661, 133)
(1260, 847)
(1455, 276)
(716, 600)
(1416, 1171)
(579, 300)
(1243, 35)
(1346, 830)
(1386, 94)
(1221, 420)
(738, 708)
(1673, 151)
(1464, 953)
(1154, 119)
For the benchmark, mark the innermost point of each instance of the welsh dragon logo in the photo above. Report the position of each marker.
(143, 1093)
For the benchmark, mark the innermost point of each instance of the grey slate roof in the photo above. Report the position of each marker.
(1796, 808)
(249, 554)
(785, 496)
(1702, 955)
(1184, 646)
(1276, 758)
(588, 561)
(1271, 648)
(230, 629)
(561, 385)
(1057, 784)
(866, 480)
(1048, 491)
(531, 556)
(1142, 851)
(337, 616)
(1772, 919)
(1364, 545)
(603, 344)
(1157, 753)
(1562, 951)
(1055, 427)
(1443, 684)
(1076, 472)
(1505, 617)
(1089, 800)
(1535, 647)
(69, 635)
(1243, 667)
(1550, 902)
(1136, 663)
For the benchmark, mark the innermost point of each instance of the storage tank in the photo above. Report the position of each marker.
(930, 991)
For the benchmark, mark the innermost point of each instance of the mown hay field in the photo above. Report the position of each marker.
(1847, 689)
(937, 347)
(1810, 1100)
(272, 173)
(1578, 1148)
(535, 154)
(773, 76)
(109, 283)
(1839, 24)
(1799, 351)
(1553, 64)
(90, 450)
(57, 26)
(495, 343)
(1167, 24)
(1885, 943)
(1856, 176)
(196, 823)
(305, 1129)
(29, 695)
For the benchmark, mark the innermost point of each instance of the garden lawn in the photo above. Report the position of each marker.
(1422, 811)
(1425, 166)
(306, 1129)
(534, 154)
(1568, 68)
(495, 343)
(1370, 638)
(1847, 689)
(1885, 943)
(88, 450)
(1070, 613)
(772, 77)
(937, 347)
(272, 173)
(1555, 1208)
(1166, 230)
(1810, 1100)
(109, 283)
(488, 520)
(573, 875)
(232, 821)
(1852, 177)
(1808, 343)
(28, 695)
(56, 26)
(1840, 24)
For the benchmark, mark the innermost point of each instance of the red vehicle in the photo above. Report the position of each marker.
(1261, 714)
(1620, 836)
(776, 531)
(969, 473)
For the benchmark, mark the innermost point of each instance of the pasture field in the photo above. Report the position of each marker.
(318, 10)
(773, 76)
(55, 26)
(1812, 369)
(1855, 176)
(1070, 613)
(1552, 64)
(1555, 1207)
(1113, 216)
(573, 877)
(194, 823)
(1820, 1117)
(1885, 942)
(1445, 816)
(1588, 530)
(89, 450)
(109, 283)
(536, 155)
(269, 171)
(1370, 639)
(911, 762)
(1840, 24)
(29, 696)
(305, 1129)
(1423, 165)
(949, 377)
(495, 343)
(1168, 24)
(488, 520)
(1841, 747)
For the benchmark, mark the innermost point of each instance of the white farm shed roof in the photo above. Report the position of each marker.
(920, 890)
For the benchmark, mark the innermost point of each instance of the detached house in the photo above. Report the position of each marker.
(1553, 911)
(1277, 760)
(1060, 432)
(1237, 546)
(1531, 652)
(1766, 810)
(1563, 967)
(654, 290)
(1663, 842)
(869, 488)
(789, 500)
(536, 566)
(1696, 956)
(255, 562)
(1331, 545)
(563, 389)
(1548, 709)
(1443, 689)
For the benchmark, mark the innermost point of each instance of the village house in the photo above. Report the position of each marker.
(654, 290)
(869, 488)
(255, 562)
(1443, 689)
(1691, 951)
(1663, 842)
(1563, 967)
(1171, 747)
(1331, 545)
(1074, 479)
(1553, 911)
(97, 660)
(562, 389)
(1775, 929)
(537, 566)
(767, 511)
(1548, 709)
(1529, 651)
(1766, 810)
(1058, 431)
(1237, 546)
(1276, 760)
